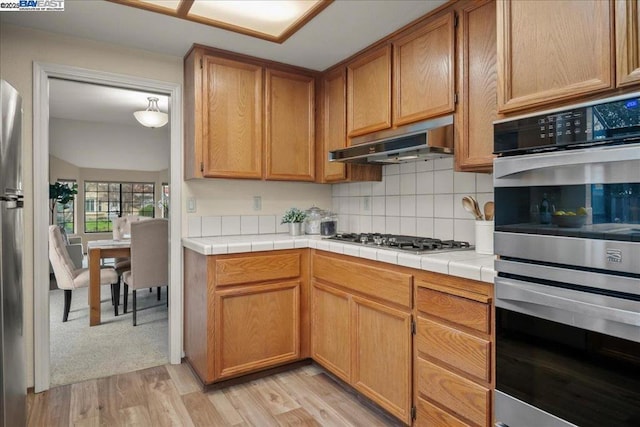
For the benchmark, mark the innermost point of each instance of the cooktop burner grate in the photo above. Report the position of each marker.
(413, 244)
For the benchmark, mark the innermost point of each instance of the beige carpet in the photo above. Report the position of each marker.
(80, 352)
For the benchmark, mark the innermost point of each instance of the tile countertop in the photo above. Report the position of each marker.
(465, 263)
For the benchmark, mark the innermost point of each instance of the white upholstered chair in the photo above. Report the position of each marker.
(69, 277)
(149, 258)
(122, 230)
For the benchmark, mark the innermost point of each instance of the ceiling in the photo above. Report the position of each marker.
(95, 103)
(339, 31)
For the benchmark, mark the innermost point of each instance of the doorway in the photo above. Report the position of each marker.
(118, 168)
(42, 74)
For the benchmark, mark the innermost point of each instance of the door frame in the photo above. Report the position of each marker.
(41, 74)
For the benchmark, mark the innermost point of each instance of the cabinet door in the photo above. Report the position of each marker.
(477, 77)
(290, 126)
(330, 330)
(369, 92)
(424, 72)
(381, 358)
(334, 125)
(256, 327)
(627, 42)
(232, 119)
(549, 54)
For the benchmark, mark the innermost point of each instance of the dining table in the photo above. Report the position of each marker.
(99, 250)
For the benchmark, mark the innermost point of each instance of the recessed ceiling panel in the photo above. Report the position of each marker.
(272, 20)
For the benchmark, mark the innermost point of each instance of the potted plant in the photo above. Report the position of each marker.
(60, 193)
(294, 217)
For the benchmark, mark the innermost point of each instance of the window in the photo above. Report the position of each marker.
(65, 213)
(164, 201)
(107, 200)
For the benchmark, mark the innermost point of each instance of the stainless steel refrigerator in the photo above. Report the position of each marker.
(12, 354)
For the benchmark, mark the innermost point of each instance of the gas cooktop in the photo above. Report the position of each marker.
(412, 244)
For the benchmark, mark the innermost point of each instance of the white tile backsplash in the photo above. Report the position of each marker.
(249, 224)
(443, 206)
(443, 181)
(408, 205)
(392, 187)
(464, 182)
(194, 226)
(211, 226)
(408, 183)
(267, 224)
(422, 198)
(230, 225)
(392, 206)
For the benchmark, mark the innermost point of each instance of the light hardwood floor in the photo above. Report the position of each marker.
(170, 396)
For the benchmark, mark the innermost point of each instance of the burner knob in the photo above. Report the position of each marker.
(378, 240)
(364, 239)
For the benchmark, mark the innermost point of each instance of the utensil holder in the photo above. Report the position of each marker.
(484, 237)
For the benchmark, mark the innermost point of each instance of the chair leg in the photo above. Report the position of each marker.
(67, 304)
(126, 297)
(116, 287)
(134, 307)
(159, 293)
(112, 295)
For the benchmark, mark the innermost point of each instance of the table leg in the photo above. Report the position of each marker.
(94, 286)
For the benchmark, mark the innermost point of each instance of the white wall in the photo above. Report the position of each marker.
(421, 198)
(109, 145)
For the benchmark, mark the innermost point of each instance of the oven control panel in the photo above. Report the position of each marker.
(613, 122)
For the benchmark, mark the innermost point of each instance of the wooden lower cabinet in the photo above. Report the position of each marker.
(453, 375)
(331, 329)
(361, 328)
(381, 355)
(418, 344)
(245, 312)
(256, 327)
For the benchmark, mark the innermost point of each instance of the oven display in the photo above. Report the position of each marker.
(612, 122)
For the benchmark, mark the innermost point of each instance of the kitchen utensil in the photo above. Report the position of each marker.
(489, 210)
(471, 206)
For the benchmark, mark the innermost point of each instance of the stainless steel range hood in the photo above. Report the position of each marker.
(418, 141)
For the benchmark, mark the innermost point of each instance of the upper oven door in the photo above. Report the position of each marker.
(590, 194)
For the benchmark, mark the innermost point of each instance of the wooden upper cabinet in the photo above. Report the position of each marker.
(369, 92)
(232, 118)
(627, 42)
(424, 73)
(477, 79)
(334, 124)
(551, 52)
(290, 133)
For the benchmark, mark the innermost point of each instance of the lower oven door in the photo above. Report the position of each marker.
(565, 357)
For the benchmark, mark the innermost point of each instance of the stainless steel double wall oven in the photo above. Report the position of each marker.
(567, 232)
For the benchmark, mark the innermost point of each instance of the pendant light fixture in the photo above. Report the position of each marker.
(152, 117)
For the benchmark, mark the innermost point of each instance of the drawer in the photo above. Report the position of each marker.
(466, 352)
(466, 398)
(454, 308)
(256, 268)
(375, 282)
(431, 416)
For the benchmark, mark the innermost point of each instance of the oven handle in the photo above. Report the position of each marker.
(506, 166)
(600, 313)
(591, 279)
